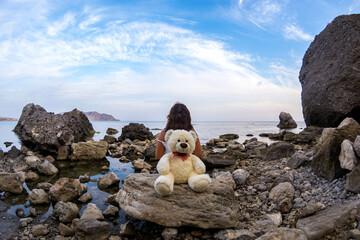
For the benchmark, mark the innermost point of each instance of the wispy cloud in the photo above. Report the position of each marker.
(294, 32)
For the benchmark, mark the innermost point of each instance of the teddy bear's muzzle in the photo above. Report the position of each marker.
(183, 145)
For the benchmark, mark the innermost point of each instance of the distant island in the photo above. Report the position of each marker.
(95, 116)
(8, 119)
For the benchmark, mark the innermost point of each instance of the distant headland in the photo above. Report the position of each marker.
(8, 119)
(95, 116)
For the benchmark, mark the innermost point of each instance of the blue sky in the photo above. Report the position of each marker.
(226, 60)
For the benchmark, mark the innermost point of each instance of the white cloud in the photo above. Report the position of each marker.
(293, 32)
(59, 26)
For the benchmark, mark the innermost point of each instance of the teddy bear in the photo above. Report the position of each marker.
(180, 165)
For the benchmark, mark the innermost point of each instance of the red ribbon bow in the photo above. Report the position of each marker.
(183, 156)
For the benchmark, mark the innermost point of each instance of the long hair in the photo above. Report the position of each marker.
(179, 118)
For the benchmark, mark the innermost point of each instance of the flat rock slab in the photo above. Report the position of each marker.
(214, 208)
(325, 221)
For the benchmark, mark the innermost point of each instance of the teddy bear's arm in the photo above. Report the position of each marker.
(163, 165)
(199, 166)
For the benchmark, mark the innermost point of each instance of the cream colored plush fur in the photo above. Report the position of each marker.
(174, 169)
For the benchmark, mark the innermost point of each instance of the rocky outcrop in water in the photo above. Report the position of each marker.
(286, 121)
(46, 132)
(136, 131)
(330, 74)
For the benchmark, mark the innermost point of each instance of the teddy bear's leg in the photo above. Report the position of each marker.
(199, 182)
(164, 184)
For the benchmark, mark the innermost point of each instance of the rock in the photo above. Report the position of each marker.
(135, 131)
(224, 177)
(279, 150)
(108, 180)
(218, 161)
(356, 145)
(31, 176)
(92, 212)
(25, 221)
(355, 234)
(150, 151)
(45, 185)
(282, 195)
(183, 208)
(111, 131)
(229, 136)
(111, 211)
(63, 153)
(297, 160)
(85, 198)
(12, 182)
(325, 162)
(141, 164)
(347, 157)
(39, 230)
(326, 221)
(32, 161)
(260, 227)
(20, 213)
(353, 179)
(330, 74)
(67, 211)
(90, 229)
(47, 168)
(38, 196)
(311, 208)
(13, 153)
(85, 178)
(230, 234)
(2, 154)
(65, 230)
(66, 189)
(276, 218)
(284, 234)
(286, 121)
(109, 139)
(127, 229)
(46, 132)
(169, 233)
(240, 176)
(90, 150)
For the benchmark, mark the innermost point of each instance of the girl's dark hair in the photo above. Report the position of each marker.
(179, 118)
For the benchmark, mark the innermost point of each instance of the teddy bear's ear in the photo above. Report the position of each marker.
(194, 135)
(168, 134)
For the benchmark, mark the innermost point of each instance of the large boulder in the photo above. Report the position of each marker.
(44, 131)
(66, 211)
(326, 158)
(279, 150)
(214, 208)
(12, 182)
(136, 131)
(286, 121)
(66, 189)
(330, 76)
(90, 150)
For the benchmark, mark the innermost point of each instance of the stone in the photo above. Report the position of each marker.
(109, 139)
(38, 196)
(2, 155)
(279, 150)
(326, 221)
(229, 136)
(45, 185)
(85, 178)
(31, 176)
(90, 150)
(47, 168)
(127, 229)
(12, 182)
(355, 234)
(67, 211)
(224, 177)
(90, 229)
(111, 211)
(311, 208)
(108, 180)
(85, 197)
(230, 234)
(66, 189)
(43, 131)
(356, 145)
(13, 153)
(276, 218)
(65, 230)
(50, 158)
(39, 230)
(286, 121)
(136, 131)
(282, 195)
(353, 179)
(92, 212)
(347, 157)
(297, 160)
(283, 234)
(140, 164)
(111, 131)
(25, 221)
(63, 153)
(183, 208)
(150, 151)
(325, 162)
(32, 161)
(169, 233)
(240, 176)
(218, 161)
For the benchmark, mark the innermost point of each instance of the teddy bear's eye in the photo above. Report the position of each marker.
(178, 140)
(186, 141)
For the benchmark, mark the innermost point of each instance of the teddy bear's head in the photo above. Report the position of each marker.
(181, 141)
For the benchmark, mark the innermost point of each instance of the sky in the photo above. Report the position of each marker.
(227, 60)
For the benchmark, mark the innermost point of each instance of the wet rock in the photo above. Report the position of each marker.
(229, 136)
(135, 131)
(141, 164)
(111, 131)
(353, 179)
(90, 229)
(85, 178)
(297, 160)
(92, 212)
(67, 211)
(109, 139)
(8, 144)
(39, 230)
(65, 230)
(46, 132)
(13, 153)
(347, 156)
(325, 162)
(32, 161)
(111, 211)
(183, 208)
(218, 161)
(47, 168)
(85, 198)
(283, 234)
(45, 185)
(108, 180)
(63, 153)
(31, 176)
(240, 176)
(330, 74)
(25, 221)
(38, 196)
(286, 121)
(230, 234)
(20, 213)
(169, 233)
(12, 182)
(66, 189)
(127, 229)
(279, 150)
(90, 150)
(325, 221)
(282, 195)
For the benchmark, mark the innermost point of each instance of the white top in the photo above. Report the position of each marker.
(165, 146)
